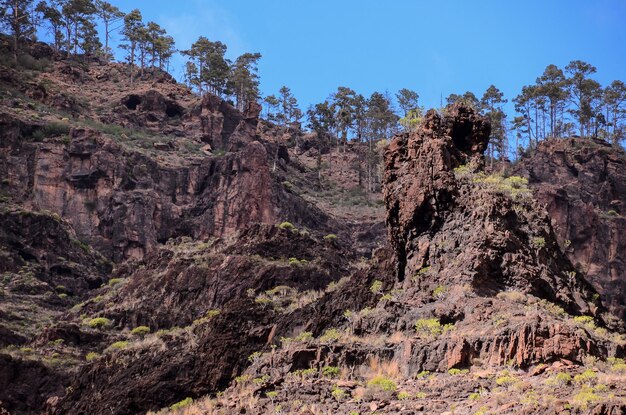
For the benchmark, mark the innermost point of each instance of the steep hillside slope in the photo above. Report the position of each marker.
(184, 195)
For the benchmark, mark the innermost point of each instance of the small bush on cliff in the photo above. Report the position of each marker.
(515, 186)
(99, 323)
(586, 321)
(586, 397)
(560, 379)
(140, 331)
(330, 371)
(287, 225)
(51, 130)
(381, 387)
(330, 237)
(119, 345)
(617, 364)
(91, 356)
(376, 287)
(440, 291)
(338, 393)
(431, 327)
(179, 405)
(587, 377)
(330, 336)
(506, 379)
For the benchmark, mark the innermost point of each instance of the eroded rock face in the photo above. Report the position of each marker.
(419, 180)
(125, 202)
(582, 183)
(468, 229)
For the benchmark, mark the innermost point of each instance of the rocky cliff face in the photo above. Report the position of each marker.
(475, 283)
(125, 202)
(582, 183)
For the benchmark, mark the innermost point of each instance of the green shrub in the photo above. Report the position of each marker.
(114, 281)
(305, 336)
(212, 313)
(506, 380)
(423, 374)
(51, 130)
(330, 336)
(338, 393)
(539, 241)
(439, 292)
(179, 405)
(376, 287)
(456, 372)
(26, 350)
(617, 364)
(287, 225)
(330, 371)
(586, 397)
(431, 327)
(587, 377)
(382, 383)
(586, 321)
(92, 356)
(404, 395)
(330, 237)
(119, 345)
(140, 331)
(255, 357)
(561, 379)
(99, 322)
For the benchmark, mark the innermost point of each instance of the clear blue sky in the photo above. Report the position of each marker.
(433, 47)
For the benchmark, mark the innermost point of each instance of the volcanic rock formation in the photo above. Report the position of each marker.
(582, 183)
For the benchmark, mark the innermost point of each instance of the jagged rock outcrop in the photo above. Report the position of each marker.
(489, 238)
(582, 183)
(420, 188)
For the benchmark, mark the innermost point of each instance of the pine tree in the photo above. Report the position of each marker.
(614, 100)
(553, 86)
(467, 98)
(110, 15)
(76, 14)
(289, 112)
(132, 35)
(492, 101)
(165, 49)
(191, 75)
(244, 79)
(271, 107)
(16, 16)
(213, 67)
(407, 100)
(54, 18)
(343, 102)
(585, 93)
